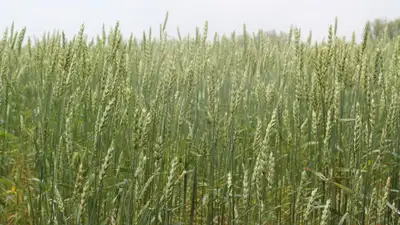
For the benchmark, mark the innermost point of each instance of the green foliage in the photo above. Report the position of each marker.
(380, 27)
(257, 129)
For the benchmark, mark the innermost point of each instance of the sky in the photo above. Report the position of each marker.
(223, 16)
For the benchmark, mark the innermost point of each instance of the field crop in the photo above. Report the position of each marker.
(245, 129)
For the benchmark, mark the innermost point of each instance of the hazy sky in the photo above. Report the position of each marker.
(224, 16)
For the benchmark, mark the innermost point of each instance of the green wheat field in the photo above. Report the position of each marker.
(202, 129)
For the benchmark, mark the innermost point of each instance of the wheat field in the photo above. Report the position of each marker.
(203, 129)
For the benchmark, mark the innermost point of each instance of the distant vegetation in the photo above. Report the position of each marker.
(252, 129)
(391, 28)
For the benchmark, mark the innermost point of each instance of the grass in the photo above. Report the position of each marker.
(237, 130)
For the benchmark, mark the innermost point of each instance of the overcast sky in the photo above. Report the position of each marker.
(224, 16)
